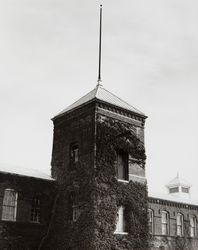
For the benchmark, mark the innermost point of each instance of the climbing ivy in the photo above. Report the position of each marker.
(99, 194)
(113, 135)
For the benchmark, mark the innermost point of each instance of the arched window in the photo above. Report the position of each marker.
(121, 221)
(193, 226)
(9, 209)
(165, 223)
(150, 220)
(180, 222)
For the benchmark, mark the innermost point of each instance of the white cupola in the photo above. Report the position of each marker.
(179, 187)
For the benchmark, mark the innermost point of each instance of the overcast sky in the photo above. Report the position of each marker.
(49, 59)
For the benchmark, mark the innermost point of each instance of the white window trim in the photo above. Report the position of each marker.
(124, 181)
(152, 220)
(15, 205)
(165, 223)
(194, 228)
(181, 226)
(120, 221)
(123, 233)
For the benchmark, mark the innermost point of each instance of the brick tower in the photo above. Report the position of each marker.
(98, 160)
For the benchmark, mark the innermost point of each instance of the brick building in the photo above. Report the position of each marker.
(26, 199)
(93, 165)
(97, 196)
(173, 217)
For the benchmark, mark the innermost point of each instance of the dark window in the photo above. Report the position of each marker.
(74, 153)
(174, 190)
(36, 209)
(185, 190)
(73, 207)
(122, 165)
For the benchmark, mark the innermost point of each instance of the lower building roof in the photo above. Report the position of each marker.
(28, 172)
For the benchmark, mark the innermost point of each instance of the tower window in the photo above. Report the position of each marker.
(121, 221)
(150, 220)
(73, 207)
(75, 212)
(165, 223)
(36, 209)
(193, 226)
(74, 153)
(138, 132)
(179, 224)
(9, 205)
(122, 165)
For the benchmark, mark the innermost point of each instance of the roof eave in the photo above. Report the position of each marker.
(28, 176)
(73, 109)
(100, 101)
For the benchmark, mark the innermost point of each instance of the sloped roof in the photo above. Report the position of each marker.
(100, 93)
(28, 172)
(178, 181)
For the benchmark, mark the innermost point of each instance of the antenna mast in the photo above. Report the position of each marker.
(100, 50)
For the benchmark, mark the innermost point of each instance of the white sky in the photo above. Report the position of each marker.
(49, 57)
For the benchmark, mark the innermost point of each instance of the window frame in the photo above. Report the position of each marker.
(174, 190)
(185, 190)
(73, 207)
(75, 212)
(73, 156)
(121, 221)
(124, 163)
(35, 210)
(6, 205)
(151, 221)
(193, 226)
(180, 227)
(165, 223)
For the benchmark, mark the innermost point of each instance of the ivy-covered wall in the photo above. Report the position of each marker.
(74, 180)
(113, 135)
(92, 181)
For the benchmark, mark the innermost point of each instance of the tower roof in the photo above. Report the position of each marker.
(100, 93)
(177, 181)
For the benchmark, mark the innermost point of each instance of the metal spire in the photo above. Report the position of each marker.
(100, 50)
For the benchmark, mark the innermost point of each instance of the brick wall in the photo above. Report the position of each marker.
(79, 126)
(22, 233)
(76, 127)
(173, 208)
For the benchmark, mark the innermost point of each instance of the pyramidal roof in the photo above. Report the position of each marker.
(100, 93)
(177, 181)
